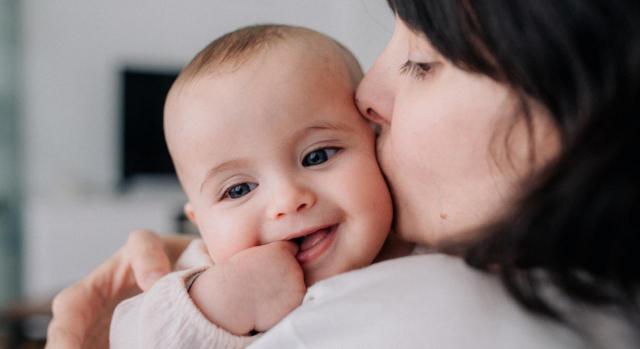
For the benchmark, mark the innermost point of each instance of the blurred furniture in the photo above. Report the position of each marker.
(23, 324)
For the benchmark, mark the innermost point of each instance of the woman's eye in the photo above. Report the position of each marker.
(239, 190)
(319, 156)
(417, 70)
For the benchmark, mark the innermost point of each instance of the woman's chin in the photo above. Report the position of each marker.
(420, 232)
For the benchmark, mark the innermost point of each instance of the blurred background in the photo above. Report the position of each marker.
(82, 158)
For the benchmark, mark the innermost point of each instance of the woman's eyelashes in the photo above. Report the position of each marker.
(319, 156)
(239, 190)
(415, 69)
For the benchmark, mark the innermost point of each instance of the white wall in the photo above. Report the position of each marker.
(72, 53)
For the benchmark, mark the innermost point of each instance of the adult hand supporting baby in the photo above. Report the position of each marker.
(253, 290)
(82, 312)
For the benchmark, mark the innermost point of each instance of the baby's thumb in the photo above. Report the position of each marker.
(288, 246)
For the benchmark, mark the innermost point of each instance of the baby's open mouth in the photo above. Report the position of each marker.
(314, 243)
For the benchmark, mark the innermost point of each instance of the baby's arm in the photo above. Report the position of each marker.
(253, 290)
(165, 317)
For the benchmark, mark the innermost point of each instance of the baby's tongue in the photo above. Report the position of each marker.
(313, 239)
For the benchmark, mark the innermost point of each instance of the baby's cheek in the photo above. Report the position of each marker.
(371, 194)
(372, 213)
(380, 205)
(224, 240)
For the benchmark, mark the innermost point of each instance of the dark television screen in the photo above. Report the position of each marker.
(144, 152)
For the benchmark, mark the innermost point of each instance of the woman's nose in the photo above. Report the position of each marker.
(291, 199)
(375, 94)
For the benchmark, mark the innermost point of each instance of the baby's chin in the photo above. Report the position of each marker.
(312, 277)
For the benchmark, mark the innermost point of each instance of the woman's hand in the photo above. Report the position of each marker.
(82, 312)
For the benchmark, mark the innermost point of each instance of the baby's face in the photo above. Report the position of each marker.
(278, 151)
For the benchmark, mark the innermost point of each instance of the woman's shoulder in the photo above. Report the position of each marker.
(418, 300)
(437, 275)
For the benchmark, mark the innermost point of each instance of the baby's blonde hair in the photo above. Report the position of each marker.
(235, 48)
(230, 51)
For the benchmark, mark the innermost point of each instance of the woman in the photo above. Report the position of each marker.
(508, 137)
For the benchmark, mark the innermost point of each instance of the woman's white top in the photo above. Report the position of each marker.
(419, 301)
(433, 301)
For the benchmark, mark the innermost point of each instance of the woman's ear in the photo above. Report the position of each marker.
(188, 211)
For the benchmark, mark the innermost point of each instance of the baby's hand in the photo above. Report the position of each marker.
(254, 290)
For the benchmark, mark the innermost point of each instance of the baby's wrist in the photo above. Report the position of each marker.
(220, 300)
(192, 280)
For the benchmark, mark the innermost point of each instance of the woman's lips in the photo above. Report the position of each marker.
(315, 244)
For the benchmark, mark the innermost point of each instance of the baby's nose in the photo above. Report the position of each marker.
(291, 199)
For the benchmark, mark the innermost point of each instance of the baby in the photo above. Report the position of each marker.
(282, 182)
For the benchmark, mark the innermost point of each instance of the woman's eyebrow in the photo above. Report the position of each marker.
(226, 165)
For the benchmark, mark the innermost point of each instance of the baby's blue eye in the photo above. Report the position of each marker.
(319, 156)
(240, 190)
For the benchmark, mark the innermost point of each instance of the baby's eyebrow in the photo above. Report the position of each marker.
(326, 125)
(222, 167)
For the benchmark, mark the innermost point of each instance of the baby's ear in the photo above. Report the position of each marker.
(188, 211)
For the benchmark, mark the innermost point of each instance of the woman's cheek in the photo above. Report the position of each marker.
(408, 149)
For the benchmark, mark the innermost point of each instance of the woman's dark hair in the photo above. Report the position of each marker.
(580, 222)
